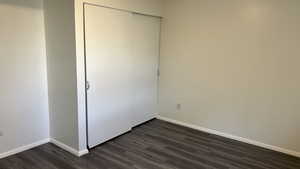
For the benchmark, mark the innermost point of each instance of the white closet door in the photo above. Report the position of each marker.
(109, 72)
(146, 59)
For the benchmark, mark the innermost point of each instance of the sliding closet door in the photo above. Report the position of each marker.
(109, 71)
(146, 59)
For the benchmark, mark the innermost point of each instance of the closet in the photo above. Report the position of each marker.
(102, 61)
(122, 52)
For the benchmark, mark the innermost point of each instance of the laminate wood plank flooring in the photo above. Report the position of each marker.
(157, 145)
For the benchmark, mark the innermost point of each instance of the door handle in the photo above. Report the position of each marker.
(87, 85)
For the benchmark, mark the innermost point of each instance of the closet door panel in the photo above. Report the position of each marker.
(146, 59)
(109, 61)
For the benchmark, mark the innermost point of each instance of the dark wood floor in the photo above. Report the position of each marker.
(157, 145)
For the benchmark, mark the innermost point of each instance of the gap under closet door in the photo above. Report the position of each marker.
(109, 59)
(146, 43)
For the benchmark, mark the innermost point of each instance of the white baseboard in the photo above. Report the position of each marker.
(83, 152)
(41, 142)
(24, 148)
(68, 148)
(245, 140)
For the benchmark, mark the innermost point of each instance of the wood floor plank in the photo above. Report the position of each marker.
(157, 145)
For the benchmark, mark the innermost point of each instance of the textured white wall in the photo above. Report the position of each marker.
(24, 117)
(61, 61)
(234, 67)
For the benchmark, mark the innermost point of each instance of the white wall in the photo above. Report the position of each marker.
(23, 93)
(151, 7)
(61, 60)
(234, 67)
